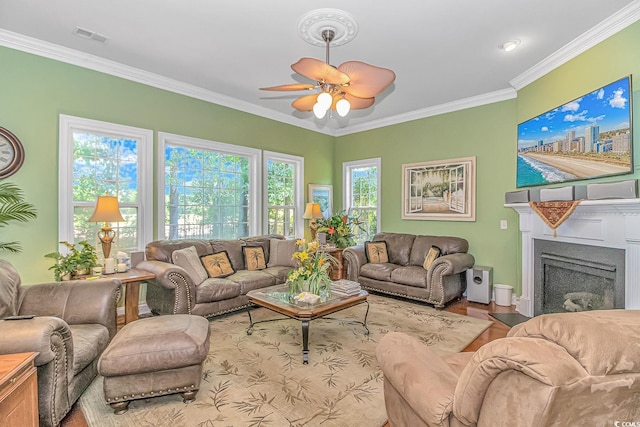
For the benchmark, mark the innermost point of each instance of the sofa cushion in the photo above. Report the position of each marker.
(411, 275)
(216, 289)
(188, 259)
(250, 280)
(280, 272)
(89, 341)
(281, 252)
(378, 271)
(433, 253)
(162, 250)
(376, 252)
(448, 245)
(233, 249)
(218, 264)
(398, 246)
(254, 258)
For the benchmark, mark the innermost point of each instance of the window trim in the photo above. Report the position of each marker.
(65, 172)
(255, 170)
(346, 184)
(298, 164)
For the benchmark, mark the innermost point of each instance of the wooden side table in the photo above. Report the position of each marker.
(18, 390)
(337, 272)
(132, 279)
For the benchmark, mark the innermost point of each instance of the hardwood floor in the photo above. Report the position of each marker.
(75, 418)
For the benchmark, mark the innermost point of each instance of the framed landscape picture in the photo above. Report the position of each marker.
(440, 190)
(322, 194)
(589, 137)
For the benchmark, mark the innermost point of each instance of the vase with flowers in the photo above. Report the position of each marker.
(312, 272)
(339, 229)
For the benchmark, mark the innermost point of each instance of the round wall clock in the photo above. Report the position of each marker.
(11, 153)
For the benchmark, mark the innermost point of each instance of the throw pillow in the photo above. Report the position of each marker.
(218, 264)
(188, 259)
(281, 253)
(376, 252)
(254, 258)
(434, 252)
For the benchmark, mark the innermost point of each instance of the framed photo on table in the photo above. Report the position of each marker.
(322, 194)
(440, 190)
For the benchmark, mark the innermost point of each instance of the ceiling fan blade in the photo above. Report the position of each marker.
(305, 103)
(290, 87)
(320, 71)
(366, 81)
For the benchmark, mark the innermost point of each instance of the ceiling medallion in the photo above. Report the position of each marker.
(313, 24)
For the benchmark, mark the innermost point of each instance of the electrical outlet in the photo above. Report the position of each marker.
(503, 224)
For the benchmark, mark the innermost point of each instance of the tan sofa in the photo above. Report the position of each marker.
(176, 291)
(569, 369)
(73, 324)
(404, 274)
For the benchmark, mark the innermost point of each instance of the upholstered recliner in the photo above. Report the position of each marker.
(74, 323)
(569, 369)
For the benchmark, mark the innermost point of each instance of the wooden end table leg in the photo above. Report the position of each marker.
(305, 342)
(131, 301)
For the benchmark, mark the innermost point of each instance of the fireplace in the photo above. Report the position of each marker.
(595, 224)
(571, 277)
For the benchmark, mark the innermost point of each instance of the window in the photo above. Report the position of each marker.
(361, 180)
(284, 194)
(98, 158)
(207, 189)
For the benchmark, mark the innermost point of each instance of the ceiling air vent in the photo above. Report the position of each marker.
(88, 34)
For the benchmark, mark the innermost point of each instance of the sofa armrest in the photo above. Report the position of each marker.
(173, 278)
(75, 301)
(452, 264)
(354, 258)
(423, 379)
(45, 335)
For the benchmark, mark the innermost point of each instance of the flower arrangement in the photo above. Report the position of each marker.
(312, 274)
(339, 228)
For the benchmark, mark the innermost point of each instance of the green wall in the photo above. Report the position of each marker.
(35, 90)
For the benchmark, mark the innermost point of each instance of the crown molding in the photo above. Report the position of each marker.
(449, 107)
(610, 26)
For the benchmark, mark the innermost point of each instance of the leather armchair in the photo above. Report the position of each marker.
(565, 369)
(74, 323)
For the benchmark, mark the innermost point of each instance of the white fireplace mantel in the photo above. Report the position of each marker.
(613, 223)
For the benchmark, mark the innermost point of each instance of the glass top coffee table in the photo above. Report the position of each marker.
(276, 298)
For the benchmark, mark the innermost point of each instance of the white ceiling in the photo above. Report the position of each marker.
(445, 53)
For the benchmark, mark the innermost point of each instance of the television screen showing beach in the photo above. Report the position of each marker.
(586, 138)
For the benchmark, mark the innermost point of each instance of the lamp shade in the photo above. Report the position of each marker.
(312, 211)
(107, 210)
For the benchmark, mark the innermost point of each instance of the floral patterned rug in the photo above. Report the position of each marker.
(259, 379)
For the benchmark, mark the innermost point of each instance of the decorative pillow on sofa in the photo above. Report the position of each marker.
(281, 253)
(254, 258)
(376, 252)
(218, 264)
(189, 259)
(434, 252)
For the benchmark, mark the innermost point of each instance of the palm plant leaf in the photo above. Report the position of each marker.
(10, 247)
(16, 211)
(13, 208)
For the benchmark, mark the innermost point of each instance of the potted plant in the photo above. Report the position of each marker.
(13, 208)
(339, 229)
(75, 262)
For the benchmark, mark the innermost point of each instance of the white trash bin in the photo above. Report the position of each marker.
(503, 294)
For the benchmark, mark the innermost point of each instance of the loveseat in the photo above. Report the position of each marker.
(73, 324)
(562, 369)
(404, 274)
(183, 286)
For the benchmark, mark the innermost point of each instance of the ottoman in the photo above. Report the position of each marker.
(153, 357)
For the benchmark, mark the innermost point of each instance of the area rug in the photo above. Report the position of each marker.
(259, 379)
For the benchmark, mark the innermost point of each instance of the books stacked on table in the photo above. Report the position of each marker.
(345, 287)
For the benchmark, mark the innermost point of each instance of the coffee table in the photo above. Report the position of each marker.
(276, 298)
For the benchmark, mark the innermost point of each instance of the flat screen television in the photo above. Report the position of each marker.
(589, 137)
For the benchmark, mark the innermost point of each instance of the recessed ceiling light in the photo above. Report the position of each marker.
(88, 34)
(508, 46)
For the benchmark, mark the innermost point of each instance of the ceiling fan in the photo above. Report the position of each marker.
(352, 85)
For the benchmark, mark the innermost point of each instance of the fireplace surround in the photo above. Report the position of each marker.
(613, 223)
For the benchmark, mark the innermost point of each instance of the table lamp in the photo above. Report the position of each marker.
(107, 210)
(312, 212)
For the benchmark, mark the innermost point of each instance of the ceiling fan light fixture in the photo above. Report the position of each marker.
(319, 111)
(342, 107)
(325, 100)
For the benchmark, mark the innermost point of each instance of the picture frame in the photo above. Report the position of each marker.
(588, 137)
(442, 190)
(322, 194)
